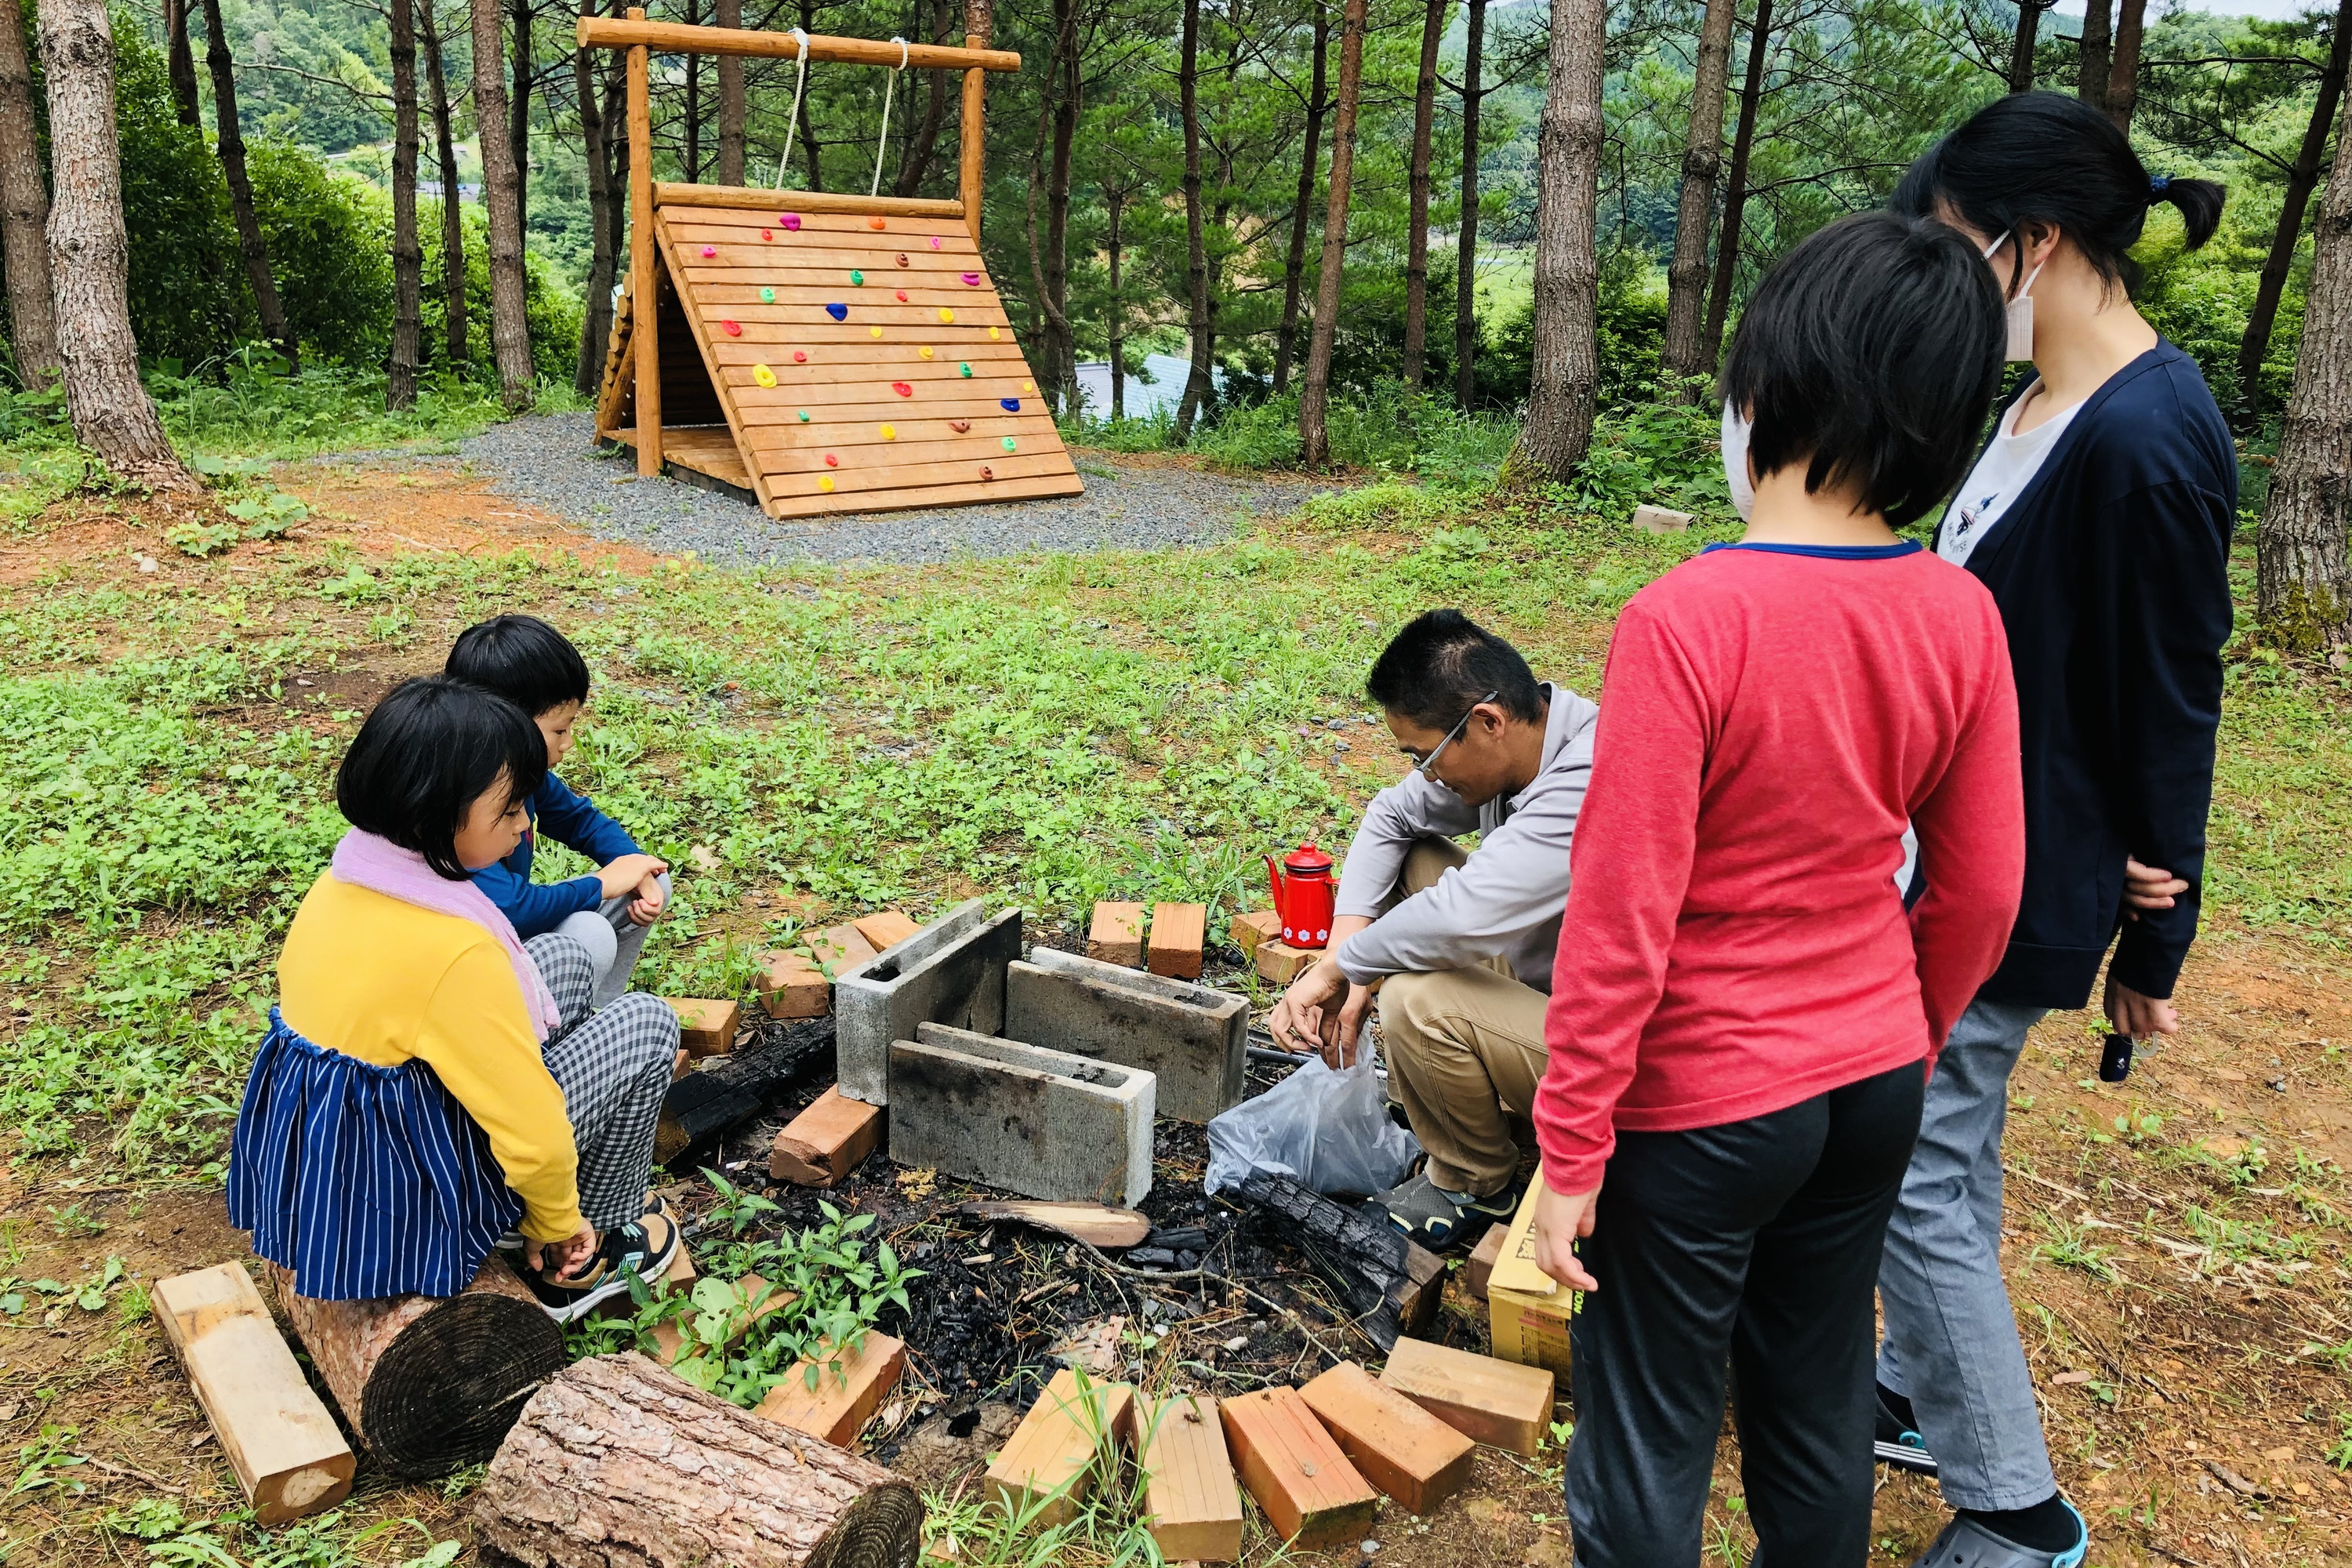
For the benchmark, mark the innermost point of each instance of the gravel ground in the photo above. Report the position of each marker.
(550, 461)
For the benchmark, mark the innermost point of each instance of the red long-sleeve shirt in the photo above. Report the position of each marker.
(1734, 941)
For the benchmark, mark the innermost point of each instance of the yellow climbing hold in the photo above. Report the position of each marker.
(946, 314)
(925, 351)
(889, 432)
(824, 481)
(763, 376)
(1028, 386)
(993, 334)
(876, 331)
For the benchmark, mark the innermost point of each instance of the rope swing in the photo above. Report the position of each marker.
(792, 126)
(882, 142)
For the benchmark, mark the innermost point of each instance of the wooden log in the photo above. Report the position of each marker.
(1390, 1285)
(429, 1383)
(616, 1458)
(1096, 1225)
(703, 1107)
(289, 1460)
(677, 38)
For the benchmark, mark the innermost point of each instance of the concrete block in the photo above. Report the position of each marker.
(1195, 1039)
(1280, 962)
(826, 1141)
(1255, 926)
(1660, 520)
(1117, 936)
(951, 972)
(1045, 1124)
(1178, 933)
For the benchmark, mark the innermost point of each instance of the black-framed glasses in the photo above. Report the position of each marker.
(1423, 764)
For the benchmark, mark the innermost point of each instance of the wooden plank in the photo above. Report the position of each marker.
(954, 237)
(1095, 1224)
(840, 947)
(824, 1144)
(835, 505)
(643, 260)
(1400, 1447)
(961, 457)
(706, 1026)
(702, 329)
(809, 329)
(1488, 1401)
(1191, 1499)
(856, 481)
(682, 197)
(1117, 936)
(876, 256)
(1256, 926)
(1481, 1264)
(761, 420)
(288, 1456)
(1178, 933)
(1311, 1494)
(676, 37)
(613, 391)
(916, 440)
(886, 930)
(1048, 1461)
(842, 1396)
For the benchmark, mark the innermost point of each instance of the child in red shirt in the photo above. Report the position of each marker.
(1743, 1012)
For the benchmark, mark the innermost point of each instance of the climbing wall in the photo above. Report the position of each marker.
(861, 363)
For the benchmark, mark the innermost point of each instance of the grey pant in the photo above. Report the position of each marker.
(613, 1065)
(1951, 1344)
(612, 939)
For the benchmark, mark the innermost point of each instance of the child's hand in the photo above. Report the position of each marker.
(564, 1256)
(624, 874)
(646, 906)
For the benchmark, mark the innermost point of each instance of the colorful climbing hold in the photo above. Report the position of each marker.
(824, 481)
(805, 416)
(902, 296)
(1010, 405)
(767, 234)
(1010, 444)
(763, 376)
(874, 331)
(857, 279)
(972, 278)
(958, 425)
(730, 329)
(792, 222)
(965, 368)
(925, 351)
(986, 472)
(903, 388)
(1028, 386)
(708, 250)
(902, 258)
(838, 313)
(874, 222)
(800, 356)
(993, 334)
(832, 461)
(889, 432)
(946, 314)
(935, 242)
(767, 296)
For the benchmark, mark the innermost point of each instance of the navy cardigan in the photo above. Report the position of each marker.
(2111, 570)
(573, 820)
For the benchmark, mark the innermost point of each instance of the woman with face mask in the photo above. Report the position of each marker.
(2099, 515)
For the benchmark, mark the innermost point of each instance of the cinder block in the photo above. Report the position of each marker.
(1255, 926)
(1117, 936)
(1050, 1453)
(951, 972)
(1191, 1496)
(1193, 1040)
(1481, 1264)
(1046, 1124)
(826, 1141)
(1660, 520)
(1311, 1494)
(1486, 1400)
(1400, 1447)
(886, 930)
(792, 986)
(848, 1389)
(1280, 962)
(1178, 933)
(706, 1028)
(839, 948)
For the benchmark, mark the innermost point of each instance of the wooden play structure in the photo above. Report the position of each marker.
(818, 353)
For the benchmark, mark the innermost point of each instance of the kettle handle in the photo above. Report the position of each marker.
(1274, 884)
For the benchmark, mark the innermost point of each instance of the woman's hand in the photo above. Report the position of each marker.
(564, 1256)
(2148, 888)
(625, 872)
(2129, 1013)
(1560, 1219)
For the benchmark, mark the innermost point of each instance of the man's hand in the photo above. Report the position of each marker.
(2148, 888)
(625, 874)
(1560, 1219)
(564, 1256)
(646, 906)
(2129, 1013)
(1297, 1022)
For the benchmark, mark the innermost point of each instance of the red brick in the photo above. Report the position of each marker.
(792, 986)
(839, 948)
(886, 930)
(1310, 1491)
(848, 1392)
(1400, 1447)
(706, 1026)
(825, 1142)
(1117, 934)
(1178, 931)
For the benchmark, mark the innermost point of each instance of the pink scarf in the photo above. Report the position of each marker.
(377, 864)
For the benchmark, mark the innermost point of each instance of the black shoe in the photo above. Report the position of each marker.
(1441, 1221)
(642, 1247)
(1897, 1444)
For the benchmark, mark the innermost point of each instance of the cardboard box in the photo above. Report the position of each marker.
(1528, 1310)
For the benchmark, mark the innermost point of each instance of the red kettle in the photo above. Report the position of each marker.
(1303, 896)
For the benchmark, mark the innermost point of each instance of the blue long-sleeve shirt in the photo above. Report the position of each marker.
(573, 821)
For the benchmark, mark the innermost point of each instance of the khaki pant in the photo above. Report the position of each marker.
(1465, 1050)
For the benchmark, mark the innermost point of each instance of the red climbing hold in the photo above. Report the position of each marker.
(800, 356)
(903, 389)
(986, 472)
(831, 461)
(958, 425)
(730, 329)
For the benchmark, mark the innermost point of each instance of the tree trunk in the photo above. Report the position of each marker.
(2091, 64)
(519, 110)
(453, 215)
(407, 253)
(916, 165)
(2305, 579)
(1285, 341)
(502, 191)
(2021, 53)
(1734, 195)
(1196, 238)
(24, 212)
(1049, 264)
(90, 253)
(2300, 183)
(1114, 243)
(617, 1449)
(1315, 395)
(230, 141)
(182, 64)
(1465, 261)
(429, 1384)
(1416, 245)
(1566, 371)
(603, 235)
(730, 13)
(2123, 74)
(1684, 358)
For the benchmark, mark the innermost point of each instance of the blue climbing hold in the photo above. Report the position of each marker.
(1010, 405)
(838, 313)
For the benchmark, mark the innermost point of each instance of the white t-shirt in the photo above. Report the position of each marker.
(2000, 475)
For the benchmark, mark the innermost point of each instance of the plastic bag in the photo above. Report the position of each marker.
(1330, 1131)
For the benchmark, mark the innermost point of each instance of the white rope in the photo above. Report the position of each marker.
(792, 126)
(882, 142)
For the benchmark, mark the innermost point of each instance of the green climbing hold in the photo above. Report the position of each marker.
(1009, 443)
(857, 279)
(803, 416)
(767, 296)
(965, 368)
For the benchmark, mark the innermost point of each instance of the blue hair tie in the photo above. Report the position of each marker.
(2156, 185)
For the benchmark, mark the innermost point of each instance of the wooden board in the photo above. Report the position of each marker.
(752, 293)
(288, 1457)
(848, 1389)
(1311, 1494)
(1048, 1461)
(1191, 1497)
(1486, 1400)
(1401, 1448)
(1117, 936)
(1093, 1224)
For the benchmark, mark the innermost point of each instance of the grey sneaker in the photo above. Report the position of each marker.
(1965, 1543)
(1441, 1221)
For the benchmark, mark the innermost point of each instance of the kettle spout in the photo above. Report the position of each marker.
(1274, 884)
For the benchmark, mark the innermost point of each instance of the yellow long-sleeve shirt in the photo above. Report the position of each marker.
(371, 977)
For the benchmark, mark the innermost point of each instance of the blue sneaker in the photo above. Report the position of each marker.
(1966, 1543)
(1898, 1445)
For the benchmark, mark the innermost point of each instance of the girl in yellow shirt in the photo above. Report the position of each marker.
(431, 1086)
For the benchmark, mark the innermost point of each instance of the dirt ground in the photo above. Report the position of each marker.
(2176, 1246)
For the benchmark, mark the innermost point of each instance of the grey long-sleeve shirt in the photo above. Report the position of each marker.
(1506, 900)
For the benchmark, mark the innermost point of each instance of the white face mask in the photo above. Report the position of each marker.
(2020, 310)
(1735, 460)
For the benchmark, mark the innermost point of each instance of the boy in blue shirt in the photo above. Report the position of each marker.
(535, 667)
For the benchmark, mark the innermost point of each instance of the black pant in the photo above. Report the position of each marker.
(1757, 1241)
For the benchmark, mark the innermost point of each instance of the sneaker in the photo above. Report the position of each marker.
(642, 1247)
(1897, 1443)
(1441, 1221)
(1966, 1543)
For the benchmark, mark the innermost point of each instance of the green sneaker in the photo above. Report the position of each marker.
(1441, 1221)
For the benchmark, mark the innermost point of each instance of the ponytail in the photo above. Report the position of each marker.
(2200, 202)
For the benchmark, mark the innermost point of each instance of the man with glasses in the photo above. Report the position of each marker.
(1457, 946)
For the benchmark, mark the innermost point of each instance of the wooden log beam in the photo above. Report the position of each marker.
(669, 193)
(1390, 1285)
(677, 38)
(645, 330)
(703, 1107)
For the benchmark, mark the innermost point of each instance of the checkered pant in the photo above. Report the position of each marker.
(613, 1067)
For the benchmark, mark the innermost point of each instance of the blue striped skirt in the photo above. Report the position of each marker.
(364, 1181)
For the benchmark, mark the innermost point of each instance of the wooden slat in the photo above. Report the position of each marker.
(823, 410)
(677, 37)
(777, 441)
(972, 494)
(1193, 1501)
(905, 233)
(680, 197)
(802, 301)
(875, 254)
(851, 481)
(702, 329)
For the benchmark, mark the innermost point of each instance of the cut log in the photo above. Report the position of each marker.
(1389, 1285)
(705, 1106)
(1094, 1224)
(616, 1459)
(429, 1383)
(289, 1460)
